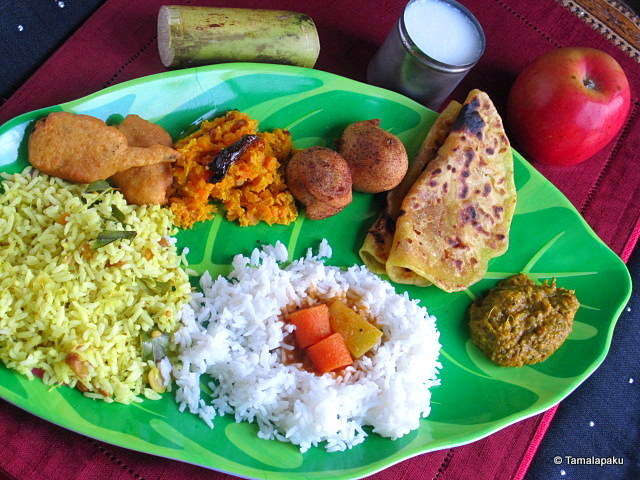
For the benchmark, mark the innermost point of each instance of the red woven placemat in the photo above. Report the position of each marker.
(118, 43)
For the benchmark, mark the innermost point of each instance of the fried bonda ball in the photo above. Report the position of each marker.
(83, 149)
(377, 159)
(320, 179)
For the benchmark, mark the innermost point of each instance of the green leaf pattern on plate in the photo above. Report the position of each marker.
(548, 239)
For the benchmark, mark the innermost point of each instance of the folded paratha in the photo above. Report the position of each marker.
(377, 243)
(457, 214)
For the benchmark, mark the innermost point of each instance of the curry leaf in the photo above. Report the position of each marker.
(154, 347)
(153, 287)
(108, 236)
(117, 214)
(98, 186)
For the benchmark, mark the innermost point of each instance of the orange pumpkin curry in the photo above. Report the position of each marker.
(250, 186)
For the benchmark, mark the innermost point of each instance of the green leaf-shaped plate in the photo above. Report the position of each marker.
(548, 239)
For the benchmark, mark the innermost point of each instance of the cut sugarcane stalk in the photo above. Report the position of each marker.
(191, 36)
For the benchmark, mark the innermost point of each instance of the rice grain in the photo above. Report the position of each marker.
(60, 297)
(233, 335)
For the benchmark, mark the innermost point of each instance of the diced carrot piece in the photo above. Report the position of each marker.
(312, 324)
(63, 219)
(330, 354)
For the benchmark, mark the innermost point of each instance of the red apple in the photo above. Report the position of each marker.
(567, 105)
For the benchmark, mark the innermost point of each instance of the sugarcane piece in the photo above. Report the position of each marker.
(192, 36)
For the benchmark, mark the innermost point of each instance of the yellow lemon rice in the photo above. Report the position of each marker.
(73, 312)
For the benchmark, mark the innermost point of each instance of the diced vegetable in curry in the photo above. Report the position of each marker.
(312, 325)
(330, 354)
(332, 335)
(359, 335)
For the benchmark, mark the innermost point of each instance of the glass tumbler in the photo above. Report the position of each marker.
(429, 51)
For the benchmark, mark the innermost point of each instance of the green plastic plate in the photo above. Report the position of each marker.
(548, 239)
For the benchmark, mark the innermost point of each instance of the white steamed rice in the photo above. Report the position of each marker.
(233, 334)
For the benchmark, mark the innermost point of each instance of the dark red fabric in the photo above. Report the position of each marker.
(118, 43)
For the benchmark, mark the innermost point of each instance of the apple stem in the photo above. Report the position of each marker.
(590, 84)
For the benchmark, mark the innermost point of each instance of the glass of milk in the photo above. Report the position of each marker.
(432, 47)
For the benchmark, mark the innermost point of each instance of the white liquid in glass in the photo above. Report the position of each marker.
(442, 32)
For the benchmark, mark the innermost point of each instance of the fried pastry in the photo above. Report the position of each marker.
(150, 184)
(83, 149)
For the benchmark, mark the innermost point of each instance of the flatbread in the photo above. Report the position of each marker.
(377, 243)
(457, 215)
